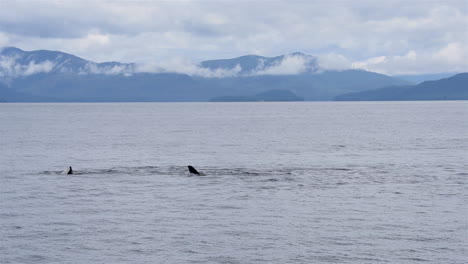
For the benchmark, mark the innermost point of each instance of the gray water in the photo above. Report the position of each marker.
(374, 182)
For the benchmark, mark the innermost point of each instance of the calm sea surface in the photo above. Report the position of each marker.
(363, 182)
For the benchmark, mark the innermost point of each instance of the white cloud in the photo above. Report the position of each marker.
(93, 68)
(185, 66)
(369, 62)
(10, 68)
(92, 40)
(453, 53)
(451, 58)
(333, 61)
(289, 65)
(33, 68)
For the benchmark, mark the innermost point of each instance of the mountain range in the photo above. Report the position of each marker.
(54, 76)
(452, 88)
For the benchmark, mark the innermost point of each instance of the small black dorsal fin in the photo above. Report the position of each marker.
(68, 171)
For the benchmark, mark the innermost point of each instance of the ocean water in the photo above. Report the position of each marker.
(310, 182)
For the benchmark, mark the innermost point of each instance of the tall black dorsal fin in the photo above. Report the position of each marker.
(193, 170)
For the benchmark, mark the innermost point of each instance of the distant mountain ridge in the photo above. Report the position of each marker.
(417, 79)
(44, 75)
(452, 88)
(19, 63)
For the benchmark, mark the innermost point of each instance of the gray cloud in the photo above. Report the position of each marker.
(148, 31)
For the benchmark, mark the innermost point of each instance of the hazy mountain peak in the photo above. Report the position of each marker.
(9, 51)
(297, 53)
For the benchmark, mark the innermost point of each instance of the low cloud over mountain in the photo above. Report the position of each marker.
(56, 76)
(16, 63)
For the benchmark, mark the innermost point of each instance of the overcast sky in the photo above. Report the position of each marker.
(391, 37)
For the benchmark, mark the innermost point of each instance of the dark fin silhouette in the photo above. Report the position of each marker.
(68, 171)
(193, 170)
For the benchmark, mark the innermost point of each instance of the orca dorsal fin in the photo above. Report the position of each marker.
(193, 170)
(68, 171)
